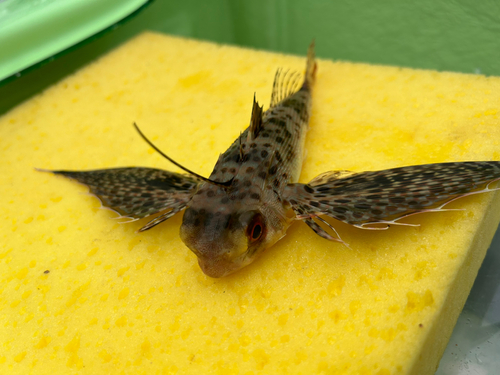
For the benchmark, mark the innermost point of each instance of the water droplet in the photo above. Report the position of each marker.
(478, 359)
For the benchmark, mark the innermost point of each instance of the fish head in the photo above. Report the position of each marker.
(227, 233)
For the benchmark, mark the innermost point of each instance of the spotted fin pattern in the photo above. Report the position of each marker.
(378, 199)
(136, 193)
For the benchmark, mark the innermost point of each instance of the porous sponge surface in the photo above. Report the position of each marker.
(81, 293)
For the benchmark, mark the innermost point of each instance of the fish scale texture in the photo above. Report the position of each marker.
(82, 293)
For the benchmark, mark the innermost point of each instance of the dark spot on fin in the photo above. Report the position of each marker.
(256, 120)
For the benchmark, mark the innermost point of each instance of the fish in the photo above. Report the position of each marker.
(253, 195)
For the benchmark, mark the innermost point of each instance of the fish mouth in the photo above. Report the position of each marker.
(217, 267)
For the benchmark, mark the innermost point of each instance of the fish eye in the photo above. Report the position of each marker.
(256, 228)
(256, 231)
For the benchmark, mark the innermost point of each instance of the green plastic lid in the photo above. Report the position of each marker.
(34, 30)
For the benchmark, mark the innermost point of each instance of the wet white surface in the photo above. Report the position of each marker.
(474, 347)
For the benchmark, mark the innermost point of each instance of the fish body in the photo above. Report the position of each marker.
(252, 195)
(228, 226)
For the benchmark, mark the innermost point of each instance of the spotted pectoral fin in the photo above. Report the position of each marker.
(329, 176)
(136, 193)
(378, 199)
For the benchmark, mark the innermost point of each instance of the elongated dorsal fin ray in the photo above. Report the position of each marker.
(222, 184)
(256, 120)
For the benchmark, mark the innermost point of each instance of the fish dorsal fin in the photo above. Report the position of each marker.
(256, 120)
(285, 84)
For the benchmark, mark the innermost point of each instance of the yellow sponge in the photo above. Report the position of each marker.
(81, 293)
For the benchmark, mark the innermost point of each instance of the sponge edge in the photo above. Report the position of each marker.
(80, 291)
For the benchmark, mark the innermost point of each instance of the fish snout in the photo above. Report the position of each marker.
(213, 257)
(219, 253)
(217, 267)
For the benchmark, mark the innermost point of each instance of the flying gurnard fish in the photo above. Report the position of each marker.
(252, 195)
